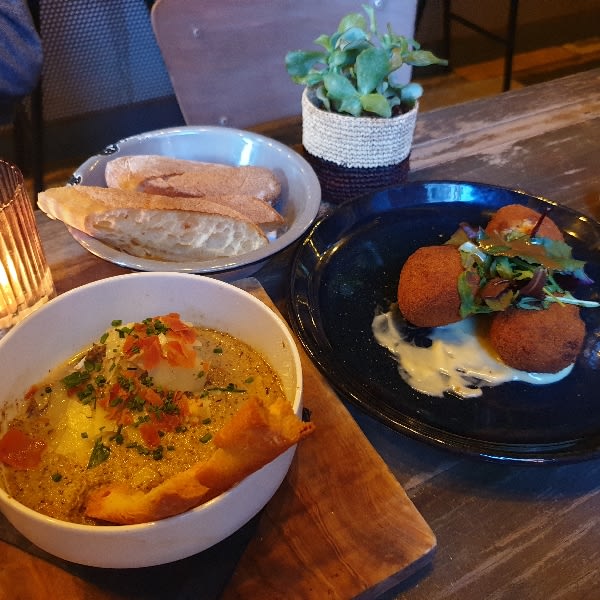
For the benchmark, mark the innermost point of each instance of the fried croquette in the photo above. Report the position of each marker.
(428, 287)
(516, 217)
(541, 341)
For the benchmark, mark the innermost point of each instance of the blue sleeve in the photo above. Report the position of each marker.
(20, 51)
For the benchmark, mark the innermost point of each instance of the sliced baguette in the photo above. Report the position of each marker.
(198, 179)
(182, 186)
(153, 226)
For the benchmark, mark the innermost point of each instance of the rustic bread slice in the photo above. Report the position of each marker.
(152, 226)
(183, 186)
(201, 178)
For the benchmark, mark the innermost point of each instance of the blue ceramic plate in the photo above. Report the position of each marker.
(348, 266)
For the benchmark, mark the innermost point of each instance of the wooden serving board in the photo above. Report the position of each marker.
(340, 526)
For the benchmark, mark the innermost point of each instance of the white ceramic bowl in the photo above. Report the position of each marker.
(70, 322)
(299, 202)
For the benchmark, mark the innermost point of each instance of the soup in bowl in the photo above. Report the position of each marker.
(57, 335)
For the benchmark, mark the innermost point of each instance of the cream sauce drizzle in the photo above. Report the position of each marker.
(458, 361)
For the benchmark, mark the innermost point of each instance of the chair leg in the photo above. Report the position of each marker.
(510, 44)
(508, 41)
(447, 29)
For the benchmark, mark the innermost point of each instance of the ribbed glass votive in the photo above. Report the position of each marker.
(25, 278)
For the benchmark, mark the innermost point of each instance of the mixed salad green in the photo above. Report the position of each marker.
(515, 269)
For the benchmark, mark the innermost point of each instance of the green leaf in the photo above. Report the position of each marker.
(372, 67)
(313, 79)
(352, 20)
(423, 58)
(325, 41)
(377, 104)
(100, 453)
(298, 63)
(75, 379)
(340, 58)
(411, 92)
(352, 38)
(467, 299)
(350, 105)
(338, 87)
(342, 94)
(501, 303)
(396, 59)
(397, 43)
(502, 267)
(321, 95)
(372, 21)
(555, 255)
(366, 58)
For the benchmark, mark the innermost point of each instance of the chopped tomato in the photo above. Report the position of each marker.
(20, 450)
(125, 418)
(113, 401)
(149, 433)
(130, 346)
(180, 355)
(167, 422)
(151, 396)
(31, 392)
(179, 329)
(178, 349)
(148, 349)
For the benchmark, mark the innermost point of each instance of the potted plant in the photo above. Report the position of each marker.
(358, 119)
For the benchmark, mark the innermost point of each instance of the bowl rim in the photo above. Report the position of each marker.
(157, 525)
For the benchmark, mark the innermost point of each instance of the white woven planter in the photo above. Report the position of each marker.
(356, 155)
(364, 142)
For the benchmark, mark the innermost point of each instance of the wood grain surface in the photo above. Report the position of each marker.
(541, 139)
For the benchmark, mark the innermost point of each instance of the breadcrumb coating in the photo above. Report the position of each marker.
(518, 217)
(428, 287)
(541, 341)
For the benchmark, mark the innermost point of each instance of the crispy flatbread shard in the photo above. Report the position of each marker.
(253, 437)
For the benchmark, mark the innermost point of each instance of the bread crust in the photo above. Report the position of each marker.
(256, 210)
(174, 176)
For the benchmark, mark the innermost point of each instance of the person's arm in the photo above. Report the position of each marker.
(20, 52)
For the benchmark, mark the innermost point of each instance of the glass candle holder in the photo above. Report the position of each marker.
(25, 278)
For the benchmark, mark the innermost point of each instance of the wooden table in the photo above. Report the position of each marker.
(503, 531)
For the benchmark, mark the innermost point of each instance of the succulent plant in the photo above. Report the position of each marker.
(354, 74)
